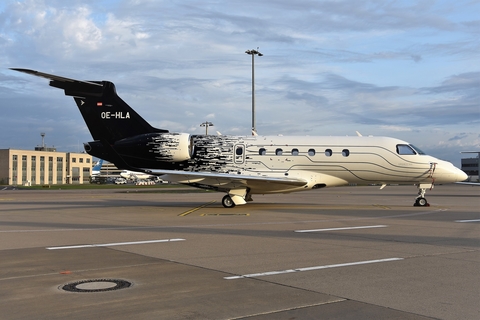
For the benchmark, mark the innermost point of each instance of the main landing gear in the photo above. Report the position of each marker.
(236, 197)
(420, 201)
(228, 202)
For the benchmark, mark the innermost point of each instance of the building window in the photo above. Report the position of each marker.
(81, 160)
(74, 160)
(328, 152)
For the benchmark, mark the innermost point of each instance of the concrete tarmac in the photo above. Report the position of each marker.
(339, 253)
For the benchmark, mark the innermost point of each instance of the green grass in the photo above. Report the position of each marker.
(102, 186)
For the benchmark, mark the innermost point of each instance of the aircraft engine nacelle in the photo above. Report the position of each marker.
(146, 149)
(172, 147)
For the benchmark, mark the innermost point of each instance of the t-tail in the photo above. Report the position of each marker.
(107, 116)
(113, 124)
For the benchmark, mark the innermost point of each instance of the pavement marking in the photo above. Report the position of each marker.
(344, 228)
(277, 311)
(224, 214)
(223, 224)
(463, 221)
(271, 273)
(113, 244)
(195, 209)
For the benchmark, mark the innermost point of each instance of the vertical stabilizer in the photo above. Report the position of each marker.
(107, 116)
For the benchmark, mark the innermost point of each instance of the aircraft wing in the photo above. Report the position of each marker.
(227, 181)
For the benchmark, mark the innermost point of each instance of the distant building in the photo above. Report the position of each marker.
(44, 166)
(471, 167)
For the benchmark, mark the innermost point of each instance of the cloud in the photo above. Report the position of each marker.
(329, 67)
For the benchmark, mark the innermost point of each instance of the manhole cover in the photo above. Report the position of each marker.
(96, 285)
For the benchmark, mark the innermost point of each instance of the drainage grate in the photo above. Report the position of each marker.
(96, 285)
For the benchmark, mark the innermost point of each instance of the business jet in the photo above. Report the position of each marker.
(241, 166)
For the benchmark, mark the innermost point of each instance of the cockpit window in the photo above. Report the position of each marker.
(405, 149)
(417, 149)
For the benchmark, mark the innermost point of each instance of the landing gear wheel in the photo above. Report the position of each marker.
(228, 202)
(421, 202)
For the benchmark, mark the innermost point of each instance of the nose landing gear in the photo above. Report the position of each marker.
(420, 201)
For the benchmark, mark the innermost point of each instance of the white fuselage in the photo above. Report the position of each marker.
(319, 161)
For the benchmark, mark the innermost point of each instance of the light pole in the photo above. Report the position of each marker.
(206, 124)
(253, 52)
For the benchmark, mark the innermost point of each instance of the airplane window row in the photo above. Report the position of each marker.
(295, 152)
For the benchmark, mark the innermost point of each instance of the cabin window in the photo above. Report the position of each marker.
(294, 152)
(278, 152)
(328, 152)
(239, 151)
(405, 149)
(262, 151)
(311, 152)
(345, 152)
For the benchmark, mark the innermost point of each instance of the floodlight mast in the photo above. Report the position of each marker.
(206, 124)
(253, 52)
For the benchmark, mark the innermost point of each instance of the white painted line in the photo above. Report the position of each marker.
(476, 220)
(345, 228)
(113, 244)
(270, 273)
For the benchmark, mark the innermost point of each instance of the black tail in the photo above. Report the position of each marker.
(107, 116)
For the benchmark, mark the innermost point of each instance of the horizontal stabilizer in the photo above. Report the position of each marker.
(56, 78)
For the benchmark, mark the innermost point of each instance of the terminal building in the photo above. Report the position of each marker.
(44, 166)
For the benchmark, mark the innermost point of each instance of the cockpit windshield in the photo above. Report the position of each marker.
(417, 150)
(405, 150)
(408, 149)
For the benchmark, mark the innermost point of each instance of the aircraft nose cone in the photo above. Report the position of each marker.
(461, 176)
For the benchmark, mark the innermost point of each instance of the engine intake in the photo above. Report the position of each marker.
(172, 147)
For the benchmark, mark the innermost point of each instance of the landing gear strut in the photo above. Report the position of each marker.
(420, 201)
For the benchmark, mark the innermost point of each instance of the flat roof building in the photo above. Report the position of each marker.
(471, 166)
(44, 167)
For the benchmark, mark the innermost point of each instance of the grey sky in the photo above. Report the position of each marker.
(406, 69)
